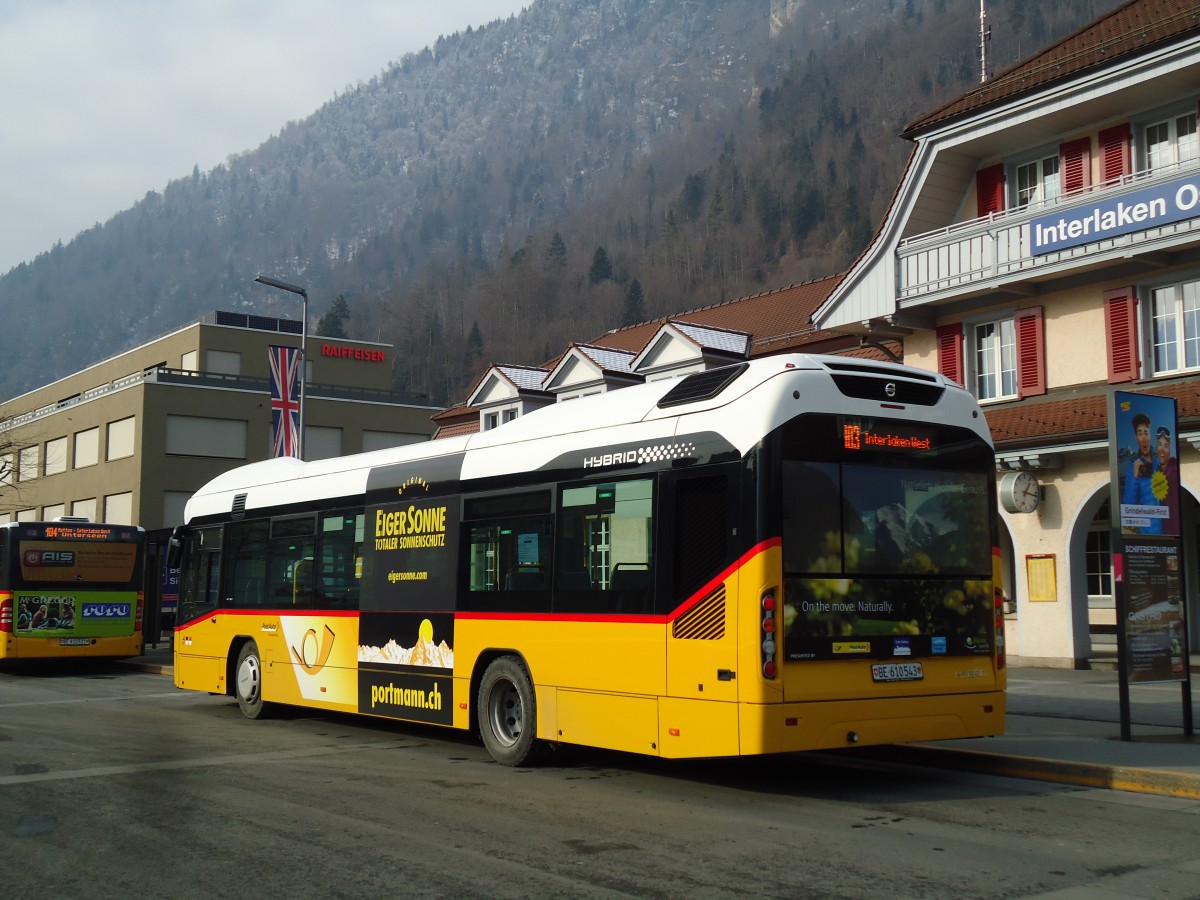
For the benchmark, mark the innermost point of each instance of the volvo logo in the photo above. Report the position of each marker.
(890, 389)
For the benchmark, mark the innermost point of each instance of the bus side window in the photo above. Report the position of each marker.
(605, 554)
(510, 540)
(339, 550)
(200, 578)
(247, 565)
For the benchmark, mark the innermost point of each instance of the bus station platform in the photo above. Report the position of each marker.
(1062, 725)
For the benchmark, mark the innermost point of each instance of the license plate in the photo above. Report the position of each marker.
(911, 671)
(74, 642)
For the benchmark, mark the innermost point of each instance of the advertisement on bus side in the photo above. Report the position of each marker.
(81, 614)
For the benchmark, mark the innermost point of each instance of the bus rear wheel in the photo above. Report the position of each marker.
(508, 712)
(247, 682)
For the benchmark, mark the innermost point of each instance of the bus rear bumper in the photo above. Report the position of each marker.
(828, 725)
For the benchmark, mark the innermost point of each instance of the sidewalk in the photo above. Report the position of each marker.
(1063, 725)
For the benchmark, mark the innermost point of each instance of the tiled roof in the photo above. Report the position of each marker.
(524, 377)
(606, 358)
(1128, 30)
(712, 338)
(1029, 423)
(782, 317)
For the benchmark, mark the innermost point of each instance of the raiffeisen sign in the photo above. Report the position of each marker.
(361, 354)
(1162, 204)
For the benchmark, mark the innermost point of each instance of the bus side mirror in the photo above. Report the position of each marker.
(175, 547)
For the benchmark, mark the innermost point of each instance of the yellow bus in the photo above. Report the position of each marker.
(785, 554)
(70, 588)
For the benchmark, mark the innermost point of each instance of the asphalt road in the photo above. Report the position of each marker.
(114, 784)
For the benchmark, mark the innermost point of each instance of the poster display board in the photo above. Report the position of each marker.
(1147, 546)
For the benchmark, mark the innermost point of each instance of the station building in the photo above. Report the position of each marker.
(129, 439)
(1043, 249)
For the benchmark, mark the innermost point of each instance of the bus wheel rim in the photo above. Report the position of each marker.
(248, 679)
(506, 713)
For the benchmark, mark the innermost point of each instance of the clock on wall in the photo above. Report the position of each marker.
(1020, 492)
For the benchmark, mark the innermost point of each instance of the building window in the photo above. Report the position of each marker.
(1037, 181)
(490, 421)
(55, 461)
(27, 515)
(1099, 561)
(201, 436)
(6, 470)
(85, 508)
(50, 513)
(225, 362)
(995, 358)
(509, 415)
(1171, 142)
(87, 448)
(119, 443)
(27, 464)
(118, 509)
(1175, 326)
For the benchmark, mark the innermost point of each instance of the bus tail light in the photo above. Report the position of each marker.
(999, 629)
(769, 668)
(141, 611)
(6, 614)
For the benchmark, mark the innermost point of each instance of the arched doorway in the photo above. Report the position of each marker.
(1092, 587)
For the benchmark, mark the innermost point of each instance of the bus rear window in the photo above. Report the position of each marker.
(883, 520)
(45, 562)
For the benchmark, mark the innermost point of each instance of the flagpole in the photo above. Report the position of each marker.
(293, 289)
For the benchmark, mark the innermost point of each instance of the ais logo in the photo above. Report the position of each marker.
(48, 558)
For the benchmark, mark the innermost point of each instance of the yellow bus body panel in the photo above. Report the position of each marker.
(21, 647)
(790, 727)
(307, 660)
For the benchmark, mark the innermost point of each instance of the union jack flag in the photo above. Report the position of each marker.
(285, 399)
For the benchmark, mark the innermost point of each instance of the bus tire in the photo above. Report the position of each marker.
(508, 712)
(247, 682)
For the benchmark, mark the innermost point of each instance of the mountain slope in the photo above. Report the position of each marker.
(502, 192)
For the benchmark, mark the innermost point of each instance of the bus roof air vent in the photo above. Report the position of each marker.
(702, 385)
(239, 506)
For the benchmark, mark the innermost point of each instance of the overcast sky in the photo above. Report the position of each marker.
(104, 100)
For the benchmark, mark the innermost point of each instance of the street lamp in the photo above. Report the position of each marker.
(293, 289)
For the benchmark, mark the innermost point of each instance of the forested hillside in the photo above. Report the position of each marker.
(542, 179)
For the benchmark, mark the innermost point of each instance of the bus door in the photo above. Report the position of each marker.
(699, 537)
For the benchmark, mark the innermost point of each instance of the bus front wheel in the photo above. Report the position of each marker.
(508, 712)
(247, 682)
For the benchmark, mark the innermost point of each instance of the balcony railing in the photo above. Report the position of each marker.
(995, 250)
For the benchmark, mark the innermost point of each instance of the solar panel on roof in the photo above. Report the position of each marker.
(702, 385)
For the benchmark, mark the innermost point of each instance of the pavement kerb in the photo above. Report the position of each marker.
(1097, 775)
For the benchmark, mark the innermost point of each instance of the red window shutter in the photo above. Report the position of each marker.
(1075, 165)
(989, 189)
(1031, 357)
(950, 351)
(1115, 157)
(1120, 327)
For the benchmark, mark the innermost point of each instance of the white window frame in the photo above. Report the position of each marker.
(1042, 181)
(992, 354)
(1171, 141)
(1174, 327)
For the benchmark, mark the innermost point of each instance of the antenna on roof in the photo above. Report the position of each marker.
(985, 35)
